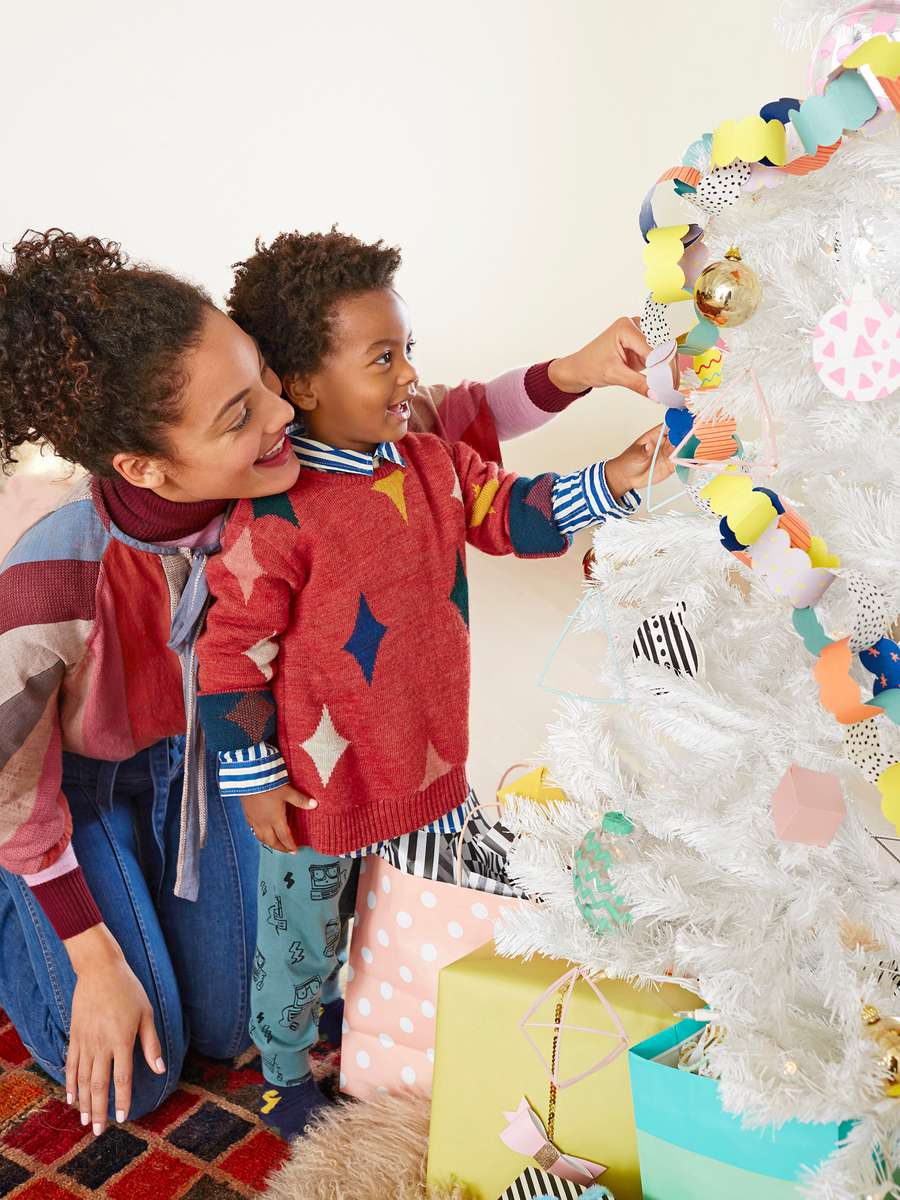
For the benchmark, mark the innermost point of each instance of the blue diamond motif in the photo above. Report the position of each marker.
(459, 593)
(365, 639)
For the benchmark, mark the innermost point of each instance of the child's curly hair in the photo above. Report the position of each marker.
(90, 349)
(285, 294)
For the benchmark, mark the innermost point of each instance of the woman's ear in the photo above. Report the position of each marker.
(301, 391)
(140, 470)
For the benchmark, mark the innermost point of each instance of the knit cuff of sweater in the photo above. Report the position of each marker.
(583, 498)
(544, 393)
(248, 772)
(68, 903)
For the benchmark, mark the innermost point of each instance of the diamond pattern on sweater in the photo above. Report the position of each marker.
(392, 487)
(239, 560)
(251, 714)
(366, 638)
(325, 746)
(459, 593)
(274, 506)
(484, 498)
(261, 654)
(435, 767)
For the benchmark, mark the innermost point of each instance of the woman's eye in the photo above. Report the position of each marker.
(245, 417)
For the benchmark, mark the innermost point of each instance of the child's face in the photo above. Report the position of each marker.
(360, 394)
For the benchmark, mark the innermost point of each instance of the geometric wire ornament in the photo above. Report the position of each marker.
(555, 654)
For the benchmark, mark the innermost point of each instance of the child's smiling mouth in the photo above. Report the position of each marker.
(401, 411)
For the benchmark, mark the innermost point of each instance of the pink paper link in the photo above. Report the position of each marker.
(767, 462)
(659, 376)
(525, 1134)
(568, 981)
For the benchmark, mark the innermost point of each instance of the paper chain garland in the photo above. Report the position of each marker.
(757, 526)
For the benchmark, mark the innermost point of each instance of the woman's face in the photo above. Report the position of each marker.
(229, 442)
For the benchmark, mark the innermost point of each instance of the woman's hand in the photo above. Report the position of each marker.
(266, 815)
(631, 468)
(109, 1010)
(617, 356)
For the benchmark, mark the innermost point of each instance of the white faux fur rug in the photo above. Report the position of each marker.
(363, 1150)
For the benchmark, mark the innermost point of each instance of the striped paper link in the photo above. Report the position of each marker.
(663, 639)
(891, 88)
(715, 438)
(533, 1184)
(259, 768)
(796, 528)
(689, 175)
(808, 163)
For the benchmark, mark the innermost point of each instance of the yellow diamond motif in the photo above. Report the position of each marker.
(392, 487)
(484, 498)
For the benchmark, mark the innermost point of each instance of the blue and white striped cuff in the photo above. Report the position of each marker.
(583, 498)
(247, 772)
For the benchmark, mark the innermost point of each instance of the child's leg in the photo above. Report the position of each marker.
(298, 939)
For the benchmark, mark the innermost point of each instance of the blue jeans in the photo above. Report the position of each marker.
(193, 959)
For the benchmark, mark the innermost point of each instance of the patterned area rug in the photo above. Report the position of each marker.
(204, 1143)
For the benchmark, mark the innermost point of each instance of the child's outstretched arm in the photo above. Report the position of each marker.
(535, 518)
(252, 582)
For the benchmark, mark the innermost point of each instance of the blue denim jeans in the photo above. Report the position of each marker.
(194, 959)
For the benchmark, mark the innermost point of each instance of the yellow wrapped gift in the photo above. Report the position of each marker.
(532, 1055)
(532, 785)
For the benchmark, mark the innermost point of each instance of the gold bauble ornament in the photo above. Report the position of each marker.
(728, 293)
(886, 1036)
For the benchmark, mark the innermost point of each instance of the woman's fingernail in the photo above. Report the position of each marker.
(160, 1065)
(68, 1097)
(120, 1115)
(98, 1129)
(85, 1118)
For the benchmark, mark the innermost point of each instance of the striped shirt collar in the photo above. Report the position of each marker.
(321, 457)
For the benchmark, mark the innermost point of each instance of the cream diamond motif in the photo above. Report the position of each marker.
(261, 654)
(325, 746)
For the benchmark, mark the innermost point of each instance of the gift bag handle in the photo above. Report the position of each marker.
(509, 770)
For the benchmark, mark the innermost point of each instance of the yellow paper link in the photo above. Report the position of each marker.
(708, 367)
(750, 140)
(749, 514)
(879, 53)
(662, 255)
(888, 784)
(818, 554)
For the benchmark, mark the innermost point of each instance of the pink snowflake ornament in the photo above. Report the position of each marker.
(856, 348)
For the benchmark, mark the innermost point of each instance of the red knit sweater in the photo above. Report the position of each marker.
(343, 606)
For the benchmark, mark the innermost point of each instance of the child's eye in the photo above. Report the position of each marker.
(385, 359)
(244, 418)
(409, 347)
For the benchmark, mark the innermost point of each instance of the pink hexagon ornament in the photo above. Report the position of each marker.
(808, 806)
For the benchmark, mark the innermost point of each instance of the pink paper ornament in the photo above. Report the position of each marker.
(846, 34)
(856, 348)
(808, 806)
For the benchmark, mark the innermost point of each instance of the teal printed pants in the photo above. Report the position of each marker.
(301, 945)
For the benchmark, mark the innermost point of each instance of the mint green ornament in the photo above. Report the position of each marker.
(596, 899)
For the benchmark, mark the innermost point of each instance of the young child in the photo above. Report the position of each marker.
(335, 663)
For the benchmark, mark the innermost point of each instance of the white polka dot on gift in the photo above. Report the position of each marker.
(405, 974)
(382, 938)
(428, 899)
(386, 991)
(428, 952)
(406, 1025)
(366, 954)
(386, 885)
(427, 1009)
(403, 919)
(386, 1040)
(364, 1006)
(362, 1059)
(479, 910)
(408, 1075)
(455, 929)
(371, 899)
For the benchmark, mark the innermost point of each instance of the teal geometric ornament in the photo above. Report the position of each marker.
(573, 660)
(595, 898)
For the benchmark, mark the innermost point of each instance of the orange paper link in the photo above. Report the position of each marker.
(891, 90)
(838, 692)
(808, 163)
(689, 175)
(715, 439)
(796, 528)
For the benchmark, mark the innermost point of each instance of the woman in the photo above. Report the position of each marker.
(127, 884)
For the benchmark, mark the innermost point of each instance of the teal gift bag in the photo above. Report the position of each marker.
(691, 1149)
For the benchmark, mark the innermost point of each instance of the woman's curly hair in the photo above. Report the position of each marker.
(91, 349)
(285, 294)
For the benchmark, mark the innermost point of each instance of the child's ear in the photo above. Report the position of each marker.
(301, 391)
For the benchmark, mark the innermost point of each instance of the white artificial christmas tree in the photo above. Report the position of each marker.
(785, 942)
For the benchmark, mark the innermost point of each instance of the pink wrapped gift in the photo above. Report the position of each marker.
(808, 806)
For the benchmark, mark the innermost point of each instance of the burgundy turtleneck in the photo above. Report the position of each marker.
(147, 517)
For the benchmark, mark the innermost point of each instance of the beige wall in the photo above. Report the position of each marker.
(505, 144)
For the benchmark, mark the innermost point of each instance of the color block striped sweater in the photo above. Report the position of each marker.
(87, 598)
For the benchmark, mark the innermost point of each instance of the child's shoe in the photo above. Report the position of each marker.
(331, 1022)
(288, 1110)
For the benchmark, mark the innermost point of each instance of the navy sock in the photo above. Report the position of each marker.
(288, 1110)
(331, 1022)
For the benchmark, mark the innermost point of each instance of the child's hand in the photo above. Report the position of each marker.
(617, 356)
(631, 468)
(267, 816)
